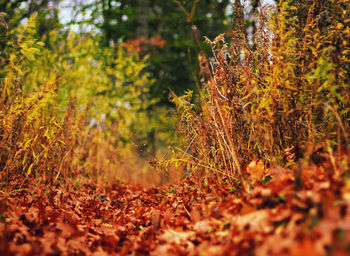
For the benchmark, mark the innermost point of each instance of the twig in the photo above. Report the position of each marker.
(212, 70)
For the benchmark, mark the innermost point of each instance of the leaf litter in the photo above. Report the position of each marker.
(278, 217)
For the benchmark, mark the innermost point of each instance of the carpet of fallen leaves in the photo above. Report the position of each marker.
(295, 213)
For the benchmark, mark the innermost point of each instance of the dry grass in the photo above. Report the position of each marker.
(265, 97)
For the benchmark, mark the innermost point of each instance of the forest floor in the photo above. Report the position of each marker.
(297, 212)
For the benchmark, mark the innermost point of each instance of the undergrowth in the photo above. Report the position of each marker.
(273, 95)
(72, 108)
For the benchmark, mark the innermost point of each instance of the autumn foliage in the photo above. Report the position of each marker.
(264, 162)
(279, 217)
(267, 94)
(72, 108)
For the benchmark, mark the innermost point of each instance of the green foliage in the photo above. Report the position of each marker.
(169, 31)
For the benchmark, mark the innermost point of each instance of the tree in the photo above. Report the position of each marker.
(169, 31)
(18, 10)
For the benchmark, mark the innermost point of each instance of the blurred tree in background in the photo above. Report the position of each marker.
(19, 10)
(170, 31)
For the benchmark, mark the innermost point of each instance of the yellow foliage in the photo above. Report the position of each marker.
(287, 85)
(72, 106)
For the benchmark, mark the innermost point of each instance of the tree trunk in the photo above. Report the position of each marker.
(142, 19)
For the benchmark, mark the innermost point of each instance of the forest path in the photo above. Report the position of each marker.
(183, 219)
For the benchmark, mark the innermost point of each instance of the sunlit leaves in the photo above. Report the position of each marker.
(71, 103)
